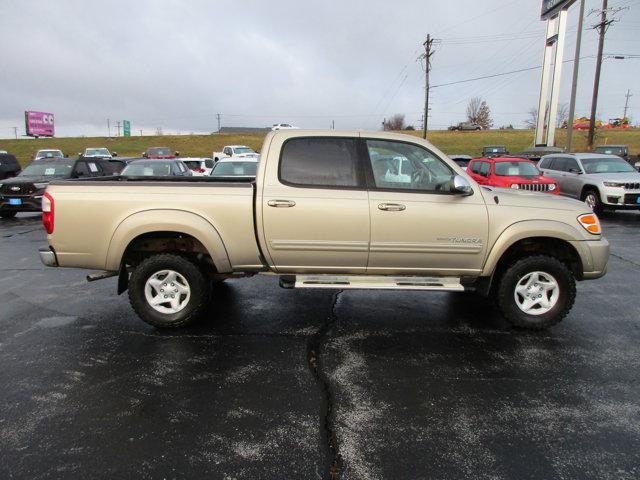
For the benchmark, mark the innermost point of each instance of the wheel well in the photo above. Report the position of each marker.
(151, 243)
(553, 247)
(589, 187)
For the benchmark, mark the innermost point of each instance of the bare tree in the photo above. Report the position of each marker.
(532, 121)
(159, 132)
(394, 123)
(478, 112)
(563, 115)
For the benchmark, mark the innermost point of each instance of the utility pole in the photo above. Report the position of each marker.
(109, 127)
(426, 56)
(15, 130)
(333, 124)
(140, 132)
(218, 115)
(574, 83)
(602, 27)
(118, 125)
(626, 103)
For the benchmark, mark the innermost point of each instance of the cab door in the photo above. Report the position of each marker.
(315, 207)
(420, 227)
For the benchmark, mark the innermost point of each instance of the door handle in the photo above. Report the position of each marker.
(392, 207)
(281, 203)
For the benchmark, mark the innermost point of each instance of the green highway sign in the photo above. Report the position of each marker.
(126, 128)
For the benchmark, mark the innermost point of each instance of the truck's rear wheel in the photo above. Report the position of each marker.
(8, 214)
(168, 291)
(536, 292)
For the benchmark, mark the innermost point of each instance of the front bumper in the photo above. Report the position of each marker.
(30, 203)
(48, 256)
(599, 250)
(620, 198)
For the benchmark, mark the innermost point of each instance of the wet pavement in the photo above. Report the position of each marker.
(295, 384)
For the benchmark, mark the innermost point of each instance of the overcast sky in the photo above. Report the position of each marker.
(175, 64)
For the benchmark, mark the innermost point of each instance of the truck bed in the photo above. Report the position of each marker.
(91, 213)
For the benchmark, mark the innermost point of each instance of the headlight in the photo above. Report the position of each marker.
(613, 184)
(40, 185)
(552, 187)
(590, 223)
(515, 186)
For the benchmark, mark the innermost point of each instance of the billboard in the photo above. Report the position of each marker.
(126, 128)
(39, 124)
(552, 7)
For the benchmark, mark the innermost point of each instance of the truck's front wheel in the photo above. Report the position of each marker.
(168, 291)
(536, 292)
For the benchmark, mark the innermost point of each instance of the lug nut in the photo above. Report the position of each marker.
(165, 296)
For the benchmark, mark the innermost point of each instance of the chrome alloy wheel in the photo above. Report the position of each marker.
(166, 291)
(591, 200)
(536, 293)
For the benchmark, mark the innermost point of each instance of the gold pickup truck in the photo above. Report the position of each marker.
(327, 209)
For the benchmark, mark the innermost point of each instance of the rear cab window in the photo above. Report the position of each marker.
(321, 162)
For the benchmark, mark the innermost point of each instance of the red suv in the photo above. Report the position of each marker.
(159, 153)
(510, 172)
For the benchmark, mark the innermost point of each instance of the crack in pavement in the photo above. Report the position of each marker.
(333, 460)
(619, 257)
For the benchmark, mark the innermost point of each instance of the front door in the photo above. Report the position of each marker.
(418, 226)
(315, 209)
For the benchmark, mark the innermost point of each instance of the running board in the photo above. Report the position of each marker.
(371, 282)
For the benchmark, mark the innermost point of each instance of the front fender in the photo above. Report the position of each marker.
(530, 229)
(166, 220)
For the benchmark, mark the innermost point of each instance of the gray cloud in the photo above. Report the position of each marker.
(175, 64)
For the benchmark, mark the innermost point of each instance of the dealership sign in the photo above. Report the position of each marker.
(39, 124)
(552, 7)
(126, 128)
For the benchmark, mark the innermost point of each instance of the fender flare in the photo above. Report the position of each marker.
(529, 229)
(167, 220)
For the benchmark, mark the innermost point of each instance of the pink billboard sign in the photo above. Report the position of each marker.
(39, 124)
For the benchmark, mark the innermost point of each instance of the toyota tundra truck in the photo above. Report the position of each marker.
(327, 210)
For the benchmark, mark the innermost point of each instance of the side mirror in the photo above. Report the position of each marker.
(637, 165)
(461, 185)
(208, 163)
(575, 170)
(114, 154)
(144, 155)
(177, 154)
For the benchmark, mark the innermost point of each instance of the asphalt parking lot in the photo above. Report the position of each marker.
(298, 384)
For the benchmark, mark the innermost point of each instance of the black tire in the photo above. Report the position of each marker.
(509, 281)
(597, 206)
(198, 283)
(8, 214)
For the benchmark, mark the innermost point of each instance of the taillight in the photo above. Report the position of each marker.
(48, 209)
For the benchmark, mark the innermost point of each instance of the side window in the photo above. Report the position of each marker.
(81, 169)
(424, 171)
(320, 162)
(94, 169)
(485, 169)
(560, 164)
(475, 167)
(571, 164)
(545, 163)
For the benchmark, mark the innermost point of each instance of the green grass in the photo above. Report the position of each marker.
(469, 143)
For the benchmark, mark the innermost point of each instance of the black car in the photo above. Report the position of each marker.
(9, 166)
(536, 153)
(23, 193)
(492, 151)
(461, 159)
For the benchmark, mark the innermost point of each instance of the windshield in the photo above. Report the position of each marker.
(227, 169)
(49, 154)
(192, 163)
(606, 165)
(516, 169)
(45, 169)
(495, 149)
(147, 169)
(612, 150)
(97, 152)
(159, 151)
(238, 150)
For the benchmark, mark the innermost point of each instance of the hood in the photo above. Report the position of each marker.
(508, 197)
(20, 179)
(625, 177)
(247, 155)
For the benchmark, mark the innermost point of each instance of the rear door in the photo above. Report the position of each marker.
(315, 209)
(418, 226)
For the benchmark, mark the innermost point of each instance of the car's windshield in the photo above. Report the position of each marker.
(495, 149)
(46, 169)
(612, 150)
(606, 165)
(159, 151)
(147, 169)
(192, 164)
(225, 169)
(49, 153)
(516, 169)
(97, 152)
(243, 150)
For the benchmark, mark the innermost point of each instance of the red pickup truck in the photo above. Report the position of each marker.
(159, 153)
(510, 172)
